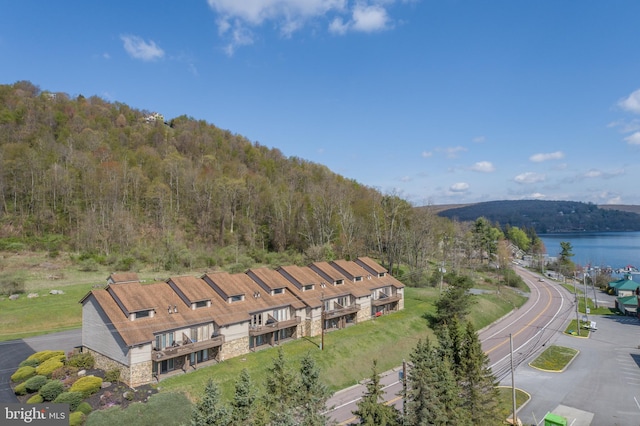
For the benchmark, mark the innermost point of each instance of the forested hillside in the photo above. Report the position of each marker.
(548, 216)
(100, 178)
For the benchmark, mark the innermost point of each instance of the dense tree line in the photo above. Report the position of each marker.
(548, 216)
(118, 185)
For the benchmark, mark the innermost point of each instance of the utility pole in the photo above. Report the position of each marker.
(322, 315)
(404, 390)
(593, 287)
(586, 306)
(513, 383)
(575, 296)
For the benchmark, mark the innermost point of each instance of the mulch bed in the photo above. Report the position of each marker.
(111, 394)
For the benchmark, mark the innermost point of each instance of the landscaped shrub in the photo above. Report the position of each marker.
(76, 418)
(35, 399)
(21, 389)
(112, 375)
(51, 390)
(85, 408)
(30, 362)
(45, 355)
(87, 385)
(23, 373)
(35, 383)
(82, 360)
(50, 365)
(64, 372)
(72, 398)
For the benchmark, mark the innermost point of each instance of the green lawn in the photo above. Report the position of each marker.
(46, 313)
(506, 401)
(554, 358)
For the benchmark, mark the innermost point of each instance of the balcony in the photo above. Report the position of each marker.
(273, 325)
(186, 349)
(341, 311)
(385, 300)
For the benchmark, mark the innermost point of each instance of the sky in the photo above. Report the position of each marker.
(437, 101)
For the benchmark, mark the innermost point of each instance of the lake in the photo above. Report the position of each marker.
(614, 249)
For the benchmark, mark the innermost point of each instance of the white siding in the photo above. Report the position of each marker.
(140, 354)
(235, 331)
(99, 336)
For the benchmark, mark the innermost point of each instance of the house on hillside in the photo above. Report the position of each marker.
(150, 331)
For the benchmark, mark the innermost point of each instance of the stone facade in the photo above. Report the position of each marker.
(106, 364)
(234, 348)
(315, 327)
(141, 373)
(364, 314)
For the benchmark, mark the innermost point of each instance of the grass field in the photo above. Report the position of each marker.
(554, 358)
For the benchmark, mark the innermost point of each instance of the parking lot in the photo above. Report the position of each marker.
(600, 387)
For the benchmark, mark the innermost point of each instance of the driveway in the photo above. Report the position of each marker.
(15, 351)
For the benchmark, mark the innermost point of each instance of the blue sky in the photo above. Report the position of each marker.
(441, 101)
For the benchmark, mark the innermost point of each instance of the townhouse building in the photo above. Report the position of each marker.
(150, 331)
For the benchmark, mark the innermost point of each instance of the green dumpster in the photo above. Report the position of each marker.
(554, 420)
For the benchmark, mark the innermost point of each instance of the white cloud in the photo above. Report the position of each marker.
(289, 16)
(483, 166)
(529, 177)
(369, 18)
(137, 48)
(427, 154)
(538, 158)
(593, 174)
(452, 152)
(459, 187)
(633, 139)
(338, 26)
(631, 103)
(479, 139)
(536, 196)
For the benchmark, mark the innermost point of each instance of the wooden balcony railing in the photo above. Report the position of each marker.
(385, 300)
(257, 330)
(185, 349)
(341, 311)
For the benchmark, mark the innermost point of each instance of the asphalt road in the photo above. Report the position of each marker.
(15, 351)
(531, 327)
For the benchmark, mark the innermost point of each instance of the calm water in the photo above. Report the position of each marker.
(614, 249)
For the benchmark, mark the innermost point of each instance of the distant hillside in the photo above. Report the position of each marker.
(550, 216)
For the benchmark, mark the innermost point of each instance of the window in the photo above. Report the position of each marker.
(201, 304)
(344, 301)
(256, 320)
(339, 282)
(381, 274)
(164, 340)
(358, 279)
(142, 314)
(307, 287)
(281, 314)
(236, 298)
(278, 290)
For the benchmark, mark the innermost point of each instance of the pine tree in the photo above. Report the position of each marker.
(210, 411)
(243, 404)
(313, 394)
(371, 410)
(281, 391)
(432, 395)
(477, 383)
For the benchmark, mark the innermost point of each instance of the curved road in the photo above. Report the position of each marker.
(547, 310)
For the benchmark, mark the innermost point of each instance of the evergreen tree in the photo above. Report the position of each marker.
(313, 394)
(243, 404)
(432, 395)
(477, 383)
(281, 392)
(210, 411)
(371, 409)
